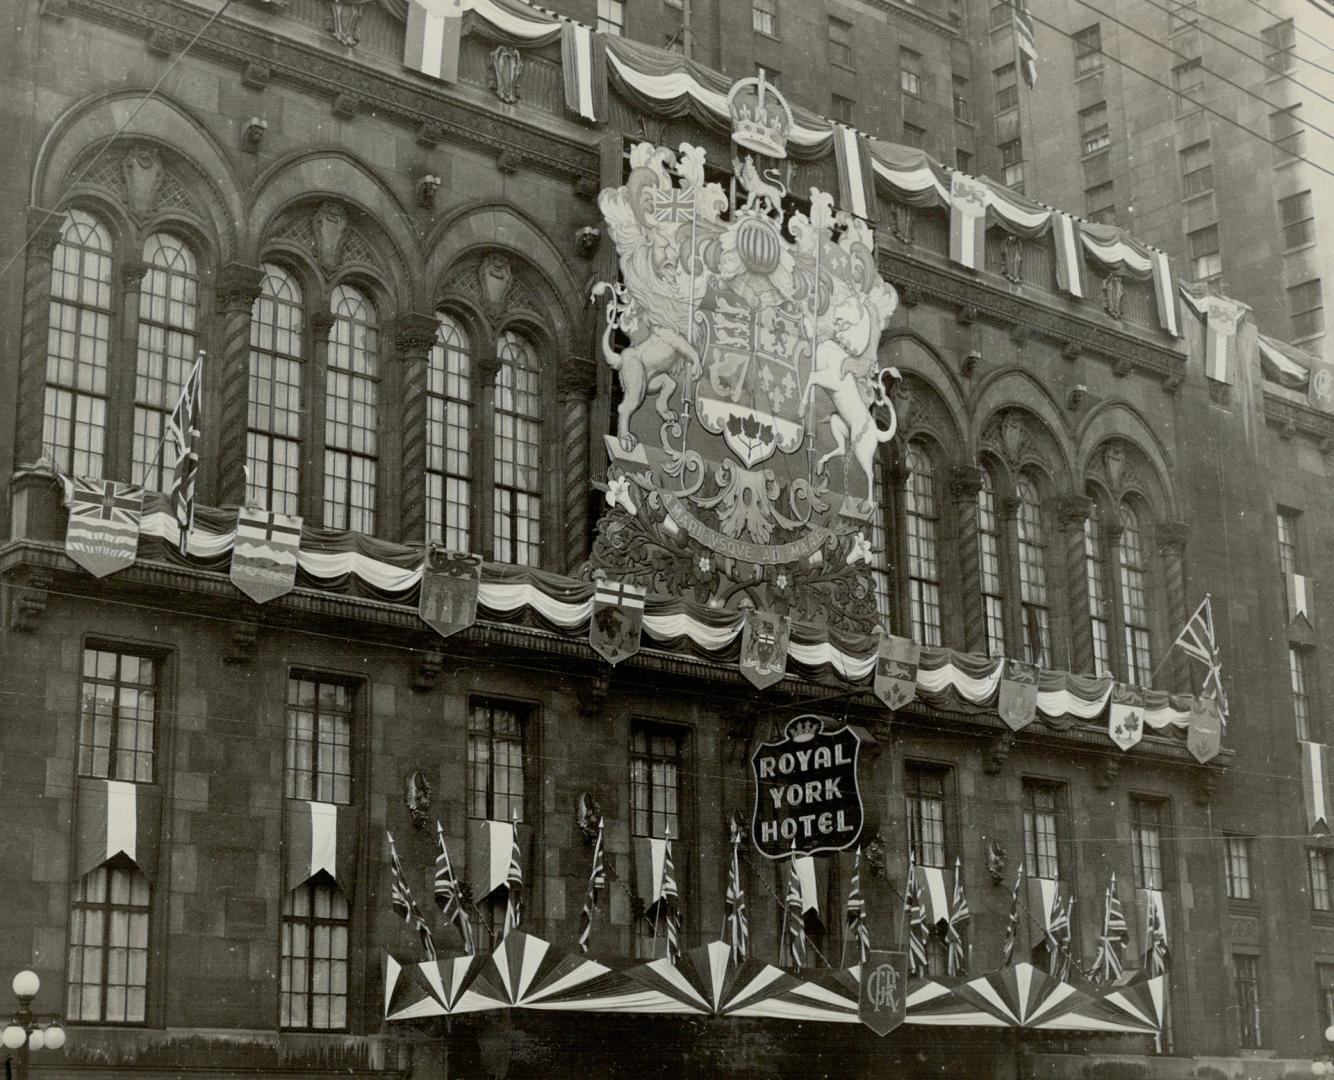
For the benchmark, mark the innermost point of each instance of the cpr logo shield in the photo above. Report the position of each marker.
(883, 1002)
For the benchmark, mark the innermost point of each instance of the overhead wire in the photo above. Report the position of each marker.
(1304, 33)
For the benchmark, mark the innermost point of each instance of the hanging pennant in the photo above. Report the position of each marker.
(318, 837)
(1125, 715)
(1299, 598)
(264, 553)
(1204, 738)
(882, 1003)
(447, 602)
(1017, 702)
(117, 818)
(617, 617)
(103, 531)
(764, 644)
(896, 670)
(1315, 768)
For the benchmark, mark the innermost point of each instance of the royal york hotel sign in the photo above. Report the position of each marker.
(806, 794)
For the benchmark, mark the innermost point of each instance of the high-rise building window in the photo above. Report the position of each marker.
(1134, 599)
(1205, 260)
(764, 16)
(1100, 203)
(923, 558)
(319, 740)
(351, 418)
(962, 109)
(1246, 998)
(1237, 858)
(840, 43)
(1287, 522)
(1307, 305)
(495, 762)
(926, 789)
(74, 416)
(1095, 566)
(989, 559)
(1033, 575)
(1298, 219)
(1301, 694)
(1093, 128)
(167, 346)
(1146, 824)
(518, 453)
(449, 436)
(1280, 40)
(910, 72)
(963, 159)
(1042, 828)
(313, 975)
(1287, 130)
(273, 438)
(1318, 865)
(1012, 164)
(1007, 87)
(611, 17)
(1197, 169)
(1001, 14)
(655, 781)
(914, 135)
(108, 946)
(1088, 50)
(118, 703)
(1188, 80)
(844, 109)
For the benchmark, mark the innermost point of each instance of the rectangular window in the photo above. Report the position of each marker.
(1088, 50)
(611, 17)
(840, 43)
(1197, 169)
(1188, 78)
(655, 781)
(926, 790)
(1246, 997)
(913, 135)
(1012, 164)
(118, 697)
(1324, 983)
(1146, 821)
(844, 109)
(1298, 219)
(1093, 128)
(1301, 695)
(1100, 203)
(495, 761)
(962, 110)
(963, 159)
(448, 437)
(988, 549)
(108, 946)
(274, 416)
(351, 413)
(1135, 600)
(910, 72)
(1318, 867)
(1288, 131)
(319, 740)
(764, 17)
(1205, 259)
(1307, 305)
(313, 976)
(1007, 88)
(1287, 522)
(1280, 42)
(1001, 15)
(1043, 828)
(923, 524)
(1095, 565)
(1237, 855)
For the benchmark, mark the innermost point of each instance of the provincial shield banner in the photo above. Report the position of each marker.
(807, 799)
(764, 641)
(1204, 737)
(103, 531)
(617, 617)
(896, 670)
(451, 580)
(1125, 715)
(1017, 702)
(882, 1003)
(264, 553)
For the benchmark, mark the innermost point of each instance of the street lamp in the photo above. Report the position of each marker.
(28, 1030)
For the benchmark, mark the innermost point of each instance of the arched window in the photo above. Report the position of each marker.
(518, 453)
(351, 412)
(273, 438)
(923, 561)
(313, 979)
(1134, 599)
(108, 946)
(74, 414)
(1033, 574)
(989, 559)
(448, 435)
(168, 316)
(1095, 571)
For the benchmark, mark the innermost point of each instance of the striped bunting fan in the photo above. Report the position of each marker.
(1017, 996)
(445, 987)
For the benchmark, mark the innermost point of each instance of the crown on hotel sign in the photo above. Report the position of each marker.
(759, 124)
(803, 728)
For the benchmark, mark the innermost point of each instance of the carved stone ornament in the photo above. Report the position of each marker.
(1012, 433)
(495, 276)
(241, 642)
(345, 18)
(874, 852)
(996, 859)
(430, 666)
(594, 697)
(1013, 248)
(27, 600)
(587, 816)
(329, 221)
(1105, 774)
(417, 798)
(993, 759)
(142, 170)
(1113, 294)
(506, 67)
(1114, 460)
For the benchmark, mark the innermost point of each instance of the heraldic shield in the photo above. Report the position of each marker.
(764, 642)
(896, 670)
(103, 531)
(264, 553)
(1125, 716)
(1017, 702)
(448, 599)
(1205, 736)
(807, 798)
(882, 1004)
(617, 618)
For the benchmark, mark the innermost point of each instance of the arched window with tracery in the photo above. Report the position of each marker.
(448, 436)
(351, 412)
(74, 414)
(989, 560)
(273, 437)
(517, 452)
(1033, 574)
(923, 560)
(1095, 573)
(1134, 598)
(167, 349)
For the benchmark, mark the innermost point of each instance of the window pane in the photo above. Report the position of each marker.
(518, 453)
(274, 419)
(655, 782)
(107, 969)
(117, 716)
(449, 437)
(495, 763)
(319, 741)
(313, 971)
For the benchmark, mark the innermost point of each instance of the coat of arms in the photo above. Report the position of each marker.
(896, 663)
(616, 619)
(265, 553)
(764, 642)
(1017, 701)
(1125, 716)
(745, 338)
(450, 583)
(103, 531)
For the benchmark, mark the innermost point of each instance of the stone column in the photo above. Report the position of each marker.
(1072, 513)
(119, 446)
(1116, 613)
(237, 289)
(44, 229)
(1171, 539)
(965, 483)
(416, 338)
(578, 381)
(895, 475)
(1012, 609)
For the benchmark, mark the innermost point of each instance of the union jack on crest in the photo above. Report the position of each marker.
(106, 500)
(674, 206)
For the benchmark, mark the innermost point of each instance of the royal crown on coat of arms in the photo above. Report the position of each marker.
(753, 405)
(760, 116)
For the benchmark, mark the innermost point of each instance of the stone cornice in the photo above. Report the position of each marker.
(1295, 416)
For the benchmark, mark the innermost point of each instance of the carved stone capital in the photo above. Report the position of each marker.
(238, 286)
(255, 76)
(509, 161)
(1171, 537)
(965, 482)
(1074, 510)
(1070, 351)
(911, 295)
(346, 106)
(44, 230)
(132, 274)
(1020, 333)
(321, 323)
(966, 314)
(27, 600)
(161, 43)
(430, 134)
(1009, 506)
(577, 379)
(416, 335)
(587, 187)
(241, 642)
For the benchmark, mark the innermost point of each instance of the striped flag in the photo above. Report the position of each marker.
(1197, 641)
(182, 428)
(918, 931)
(1012, 923)
(669, 898)
(597, 881)
(448, 896)
(1061, 933)
(736, 928)
(514, 886)
(1107, 965)
(795, 915)
(959, 915)
(1155, 945)
(401, 898)
(857, 925)
(1025, 43)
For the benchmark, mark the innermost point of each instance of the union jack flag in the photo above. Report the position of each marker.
(597, 881)
(447, 893)
(1012, 923)
(668, 900)
(106, 500)
(513, 886)
(959, 915)
(182, 429)
(795, 915)
(1061, 933)
(673, 206)
(857, 924)
(915, 913)
(1197, 641)
(1107, 965)
(401, 898)
(1025, 42)
(736, 928)
(1155, 947)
